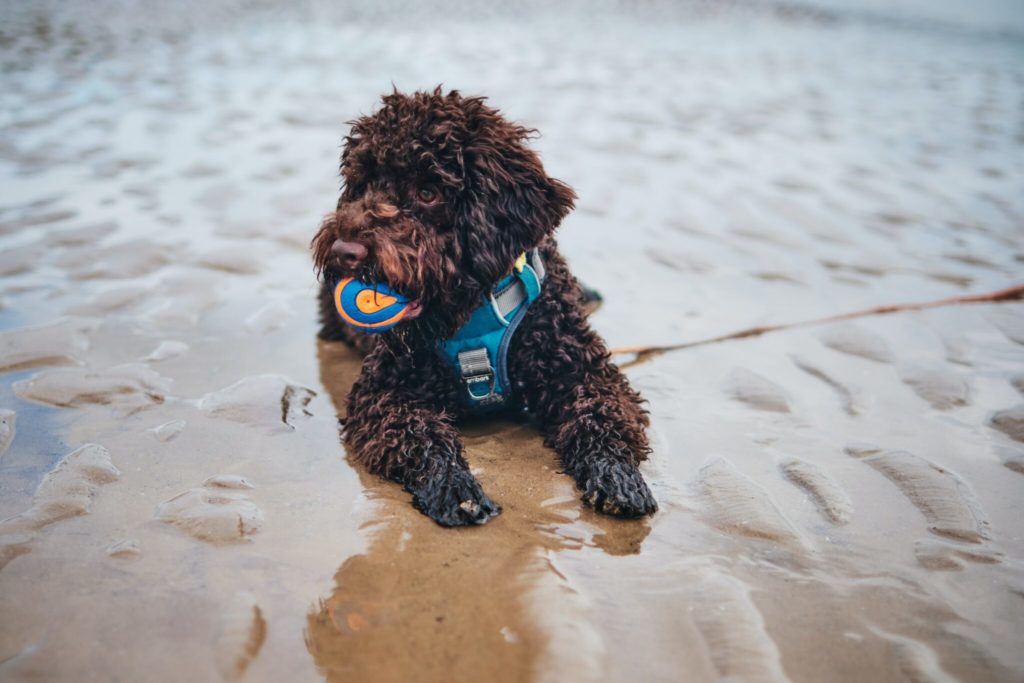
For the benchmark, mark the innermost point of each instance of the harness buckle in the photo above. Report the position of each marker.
(479, 376)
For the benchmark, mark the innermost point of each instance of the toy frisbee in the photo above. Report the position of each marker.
(369, 308)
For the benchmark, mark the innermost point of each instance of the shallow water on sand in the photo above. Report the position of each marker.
(838, 502)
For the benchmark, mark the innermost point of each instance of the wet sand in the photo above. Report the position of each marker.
(838, 503)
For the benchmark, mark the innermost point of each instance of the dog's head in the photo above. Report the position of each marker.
(440, 196)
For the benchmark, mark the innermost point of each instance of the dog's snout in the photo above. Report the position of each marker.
(350, 253)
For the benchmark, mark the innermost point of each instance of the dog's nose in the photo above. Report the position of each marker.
(350, 253)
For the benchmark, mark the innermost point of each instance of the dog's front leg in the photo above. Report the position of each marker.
(403, 434)
(587, 411)
(598, 433)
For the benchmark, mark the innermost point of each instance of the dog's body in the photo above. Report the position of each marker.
(440, 198)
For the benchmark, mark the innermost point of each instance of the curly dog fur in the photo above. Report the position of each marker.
(441, 194)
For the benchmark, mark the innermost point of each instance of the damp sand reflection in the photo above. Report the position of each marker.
(427, 604)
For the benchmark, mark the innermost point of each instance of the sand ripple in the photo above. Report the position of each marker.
(269, 401)
(831, 501)
(1009, 322)
(1010, 421)
(734, 631)
(918, 662)
(228, 481)
(167, 350)
(845, 395)
(66, 491)
(736, 505)
(271, 316)
(128, 387)
(240, 636)
(940, 386)
(213, 514)
(59, 343)
(940, 556)
(125, 550)
(738, 164)
(941, 496)
(130, 259)
(168, 431)
(7, 429)
(857, 341)
(756, 391)
(183, 299)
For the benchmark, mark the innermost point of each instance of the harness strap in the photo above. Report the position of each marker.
(508, 299)
(479, 350)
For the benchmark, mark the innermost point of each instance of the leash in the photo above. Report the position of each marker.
(1014, 293)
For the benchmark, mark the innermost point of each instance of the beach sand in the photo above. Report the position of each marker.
(838, 503)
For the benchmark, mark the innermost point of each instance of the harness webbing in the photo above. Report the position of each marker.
(478, 352)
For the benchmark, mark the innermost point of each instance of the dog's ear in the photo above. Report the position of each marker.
(510, 204)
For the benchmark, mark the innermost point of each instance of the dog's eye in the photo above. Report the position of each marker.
(427, 195)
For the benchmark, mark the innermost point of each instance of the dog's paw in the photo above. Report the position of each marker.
(614, 487)
(454, 499)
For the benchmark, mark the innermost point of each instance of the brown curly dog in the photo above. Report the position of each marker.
(441, 199)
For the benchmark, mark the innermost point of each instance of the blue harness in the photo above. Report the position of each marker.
(478, 352)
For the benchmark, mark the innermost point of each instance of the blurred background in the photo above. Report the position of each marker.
(838, 503)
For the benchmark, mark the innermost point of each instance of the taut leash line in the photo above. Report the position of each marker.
(643, 353)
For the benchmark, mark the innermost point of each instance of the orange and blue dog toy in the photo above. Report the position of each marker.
(478, 351)
(370, 308)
